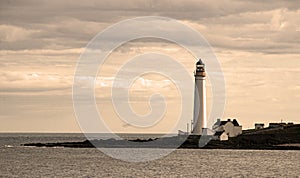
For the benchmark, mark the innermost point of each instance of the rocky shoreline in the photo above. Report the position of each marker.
(272, 139)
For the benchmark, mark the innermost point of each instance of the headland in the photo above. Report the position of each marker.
(280, 138)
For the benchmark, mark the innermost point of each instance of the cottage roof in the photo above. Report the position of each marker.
(234, 122)
(223, 122)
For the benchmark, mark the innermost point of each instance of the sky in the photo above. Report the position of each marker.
(257, 44)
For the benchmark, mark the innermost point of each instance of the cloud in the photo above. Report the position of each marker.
(46, 52)
(247, 25)
(26, 82)
(10, 33)
(273, 31)
(140, 83)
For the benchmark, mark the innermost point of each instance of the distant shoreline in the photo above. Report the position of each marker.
(284, 138)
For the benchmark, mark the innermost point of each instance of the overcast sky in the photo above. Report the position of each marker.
(256, 42)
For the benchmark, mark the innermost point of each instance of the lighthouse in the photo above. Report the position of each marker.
(200, 124)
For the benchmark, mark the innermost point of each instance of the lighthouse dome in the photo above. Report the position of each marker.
(200, 62)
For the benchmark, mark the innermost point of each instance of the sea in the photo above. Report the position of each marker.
(20, 161)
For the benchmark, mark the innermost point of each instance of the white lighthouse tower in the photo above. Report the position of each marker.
(200, 124)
